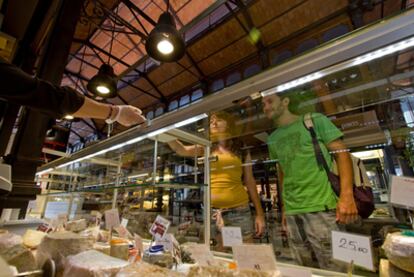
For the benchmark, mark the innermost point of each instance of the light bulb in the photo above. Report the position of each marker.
(165, 47)
(69, 117)
(102, 89)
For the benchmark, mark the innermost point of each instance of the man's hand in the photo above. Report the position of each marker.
(346, 209)
(129, 115)
(259, 225)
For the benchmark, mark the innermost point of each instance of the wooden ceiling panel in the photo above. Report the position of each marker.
(192, 9)
(164, 72)
(129, 93)
(264, 10)
(143, 101)
(227, 56)
(143, 84)
(224, 35)
(179, 82)
(298, 18)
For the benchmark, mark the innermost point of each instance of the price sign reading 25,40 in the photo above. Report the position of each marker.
(348, 247)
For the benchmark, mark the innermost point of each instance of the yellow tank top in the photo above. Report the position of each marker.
(227, 190)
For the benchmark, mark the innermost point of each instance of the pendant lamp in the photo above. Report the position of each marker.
(103, 84)
(165, 43)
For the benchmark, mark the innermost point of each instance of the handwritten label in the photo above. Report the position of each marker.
(122, 232)
(402, 191)
(170, 244)
(111, 219)
(124, 222)
(231, 236)
(159, 227)
(254, 256)
(348, 247)
(201, 254)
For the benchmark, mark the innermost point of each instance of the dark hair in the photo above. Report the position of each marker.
(298, 99)
(233, 142)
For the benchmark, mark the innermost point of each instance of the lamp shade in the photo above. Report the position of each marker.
(104, 83)
(165, 43)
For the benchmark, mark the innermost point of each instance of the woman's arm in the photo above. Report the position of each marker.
(186, 150)
(254, 196)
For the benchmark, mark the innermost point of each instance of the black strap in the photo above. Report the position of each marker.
(317, 148)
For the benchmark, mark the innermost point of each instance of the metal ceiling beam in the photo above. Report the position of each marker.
(132, 6)
(142, 74)
(115, 17)
(121, 80)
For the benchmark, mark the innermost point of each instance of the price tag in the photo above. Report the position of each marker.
(231, 236)
(170, 244)
(159, 227)
(254, 256)
(201, 254)
(111, 219)
(98, 218)
(124, 222)
(122, 231)
(402, 191)
(348, 247)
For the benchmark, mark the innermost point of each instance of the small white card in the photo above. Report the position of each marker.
(231, 236)
(255, 256)
(124, 222)
(201, 254)
(402, 191)
(348, 247)
(139, 245)
(111, 219)
(159, 227)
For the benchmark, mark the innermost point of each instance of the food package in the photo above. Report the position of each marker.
(62, 244)
(92, 263)
(145, 269)
(76, 225)
(8, 240)
(102, 247)
(32, 238)
(399, 250)
(20, 257)
(214, 271)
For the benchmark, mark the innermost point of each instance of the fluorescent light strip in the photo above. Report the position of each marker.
(44, 171)
(393, 48)
(134, 140)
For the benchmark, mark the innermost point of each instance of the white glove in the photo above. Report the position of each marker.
(126, 115)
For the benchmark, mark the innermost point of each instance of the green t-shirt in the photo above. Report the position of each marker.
(306, 187)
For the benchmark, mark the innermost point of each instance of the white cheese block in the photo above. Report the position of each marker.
(399, 250)
(8, 240)
(212, 271)
(20, 257)
(62, 244)
(92, 263)
(76, 225)
(32, 238)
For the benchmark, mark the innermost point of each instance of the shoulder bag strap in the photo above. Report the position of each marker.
(308, 122)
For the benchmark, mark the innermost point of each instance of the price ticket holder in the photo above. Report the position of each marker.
(353, 249)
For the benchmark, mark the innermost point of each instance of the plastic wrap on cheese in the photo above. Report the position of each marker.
(8, 240)
(213, 271)
(146, 269)
(20, 257)
(76, 225)
(92, 263)
(399, 250)
(62, 244)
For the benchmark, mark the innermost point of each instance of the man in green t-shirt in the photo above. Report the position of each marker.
(311, 208)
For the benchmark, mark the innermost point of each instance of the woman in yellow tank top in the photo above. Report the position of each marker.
(229, 198)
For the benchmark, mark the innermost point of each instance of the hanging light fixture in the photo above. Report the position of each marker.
(165, 43)
(104, 83)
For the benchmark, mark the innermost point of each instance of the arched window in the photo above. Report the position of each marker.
(150, 115)
(159, 111)
(306, 45)
(251, 70)
(280, 57)
(184, 100)
(335, 32)
(173, 105)
(197, 94)
(233, 78)
(217, 85)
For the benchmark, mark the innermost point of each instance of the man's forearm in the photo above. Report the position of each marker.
(93, 109)
(345, 171)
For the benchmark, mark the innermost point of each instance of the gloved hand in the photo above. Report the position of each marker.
(127, 115)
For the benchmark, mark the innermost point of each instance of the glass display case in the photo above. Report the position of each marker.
(362, 84)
